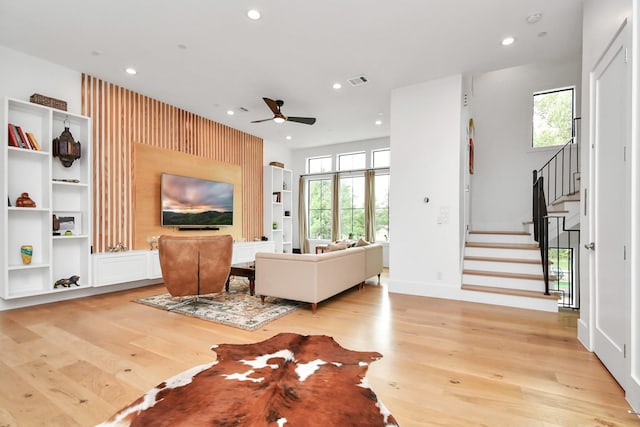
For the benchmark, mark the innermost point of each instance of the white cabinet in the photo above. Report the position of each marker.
(112, 268)
(246, 251)
(278, 208)
(55, 189)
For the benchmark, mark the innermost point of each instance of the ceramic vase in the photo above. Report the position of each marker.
(26, 251)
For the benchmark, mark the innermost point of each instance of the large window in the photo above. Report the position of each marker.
(553, 117)
(351, 194)
(319, 164)
(319, 209)
(352, 161)
(381, 158)
(382, 208)
(352, 207)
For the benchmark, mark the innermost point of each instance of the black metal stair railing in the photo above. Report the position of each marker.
(556, 179)
(563, 282)
(562, 171)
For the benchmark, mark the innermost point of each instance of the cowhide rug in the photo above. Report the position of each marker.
(287, 380)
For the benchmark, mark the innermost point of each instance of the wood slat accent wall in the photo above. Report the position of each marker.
(122, 117)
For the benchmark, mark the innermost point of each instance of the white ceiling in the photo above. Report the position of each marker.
(295, 52)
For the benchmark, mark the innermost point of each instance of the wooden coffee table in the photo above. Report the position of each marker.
(245, 269)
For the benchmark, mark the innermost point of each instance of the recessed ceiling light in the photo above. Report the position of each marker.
(253, 14)
(288, 137)
(230, 112)
(534, 17)
(508, 41)
(337, 85)
(378, 122)
(131, 71)
(278, 119)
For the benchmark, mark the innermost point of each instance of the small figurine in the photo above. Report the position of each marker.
(24, 201)
(66, 283)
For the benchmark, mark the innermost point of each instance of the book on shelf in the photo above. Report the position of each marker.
(33, 141)
(24, 139)
(13, 140)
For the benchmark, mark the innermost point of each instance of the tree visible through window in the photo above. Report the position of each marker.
(319, 209)
(352, 207)
(553, 117)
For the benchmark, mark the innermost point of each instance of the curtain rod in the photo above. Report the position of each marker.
(348, 171)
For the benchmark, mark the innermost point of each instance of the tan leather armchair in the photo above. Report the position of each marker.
(195, 266)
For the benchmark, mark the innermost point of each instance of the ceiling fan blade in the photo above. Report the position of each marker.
(272, 105)
(305, 120)
(263, 120)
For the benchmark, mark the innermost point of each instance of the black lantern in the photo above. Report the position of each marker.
(65, 147)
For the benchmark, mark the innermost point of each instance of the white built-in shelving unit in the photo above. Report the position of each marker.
(278, 208)
(56, 190)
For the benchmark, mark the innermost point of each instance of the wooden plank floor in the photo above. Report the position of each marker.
(445, 363)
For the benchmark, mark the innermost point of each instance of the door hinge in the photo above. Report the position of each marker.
(624, 153)
(626, 55)
(624, 350)
(624, 252)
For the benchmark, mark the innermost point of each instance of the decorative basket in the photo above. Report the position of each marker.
(277, 164)
(47, 101)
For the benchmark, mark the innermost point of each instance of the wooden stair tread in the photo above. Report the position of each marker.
(528, 246)
(559, 201)
(495, 259)
(505, 233)
(507, 291)
(504, 275)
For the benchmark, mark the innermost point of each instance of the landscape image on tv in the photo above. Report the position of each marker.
(194, 202)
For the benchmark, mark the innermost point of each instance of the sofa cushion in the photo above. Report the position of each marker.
(361, 242)
(338, 246)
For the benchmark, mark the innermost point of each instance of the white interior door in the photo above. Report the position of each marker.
(610, 110)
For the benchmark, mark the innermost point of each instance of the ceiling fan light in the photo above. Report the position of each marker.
(278, 119)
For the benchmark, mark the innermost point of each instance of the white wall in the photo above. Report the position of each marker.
(276, 152)
(22, 75)
(504, 159)
(425, 162)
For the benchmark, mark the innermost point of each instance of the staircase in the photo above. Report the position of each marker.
(506, 265)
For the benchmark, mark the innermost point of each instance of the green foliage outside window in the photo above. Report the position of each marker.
(552, 118)
(319, 207)
(352, 207)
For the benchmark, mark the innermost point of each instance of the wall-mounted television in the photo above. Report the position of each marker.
(194, 202)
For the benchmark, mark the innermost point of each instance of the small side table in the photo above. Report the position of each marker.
(245, 269)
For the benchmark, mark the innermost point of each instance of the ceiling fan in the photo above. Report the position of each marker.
(278, 117)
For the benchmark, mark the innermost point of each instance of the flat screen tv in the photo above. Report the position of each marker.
(194, 202)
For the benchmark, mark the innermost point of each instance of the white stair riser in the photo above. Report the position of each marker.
(549, 305)
(504, 282)
(499, 238)
(503, 253)
(504, 267)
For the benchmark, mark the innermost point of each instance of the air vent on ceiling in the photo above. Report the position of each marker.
(357, 81)
(244, 110)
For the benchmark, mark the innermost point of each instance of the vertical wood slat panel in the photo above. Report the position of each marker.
(122, 117)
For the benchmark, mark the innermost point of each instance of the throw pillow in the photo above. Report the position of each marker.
(361, 242)
(336, 246)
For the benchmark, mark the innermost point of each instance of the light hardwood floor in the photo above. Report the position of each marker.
(445, 363)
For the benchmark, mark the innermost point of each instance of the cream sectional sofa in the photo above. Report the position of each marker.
(314, 278)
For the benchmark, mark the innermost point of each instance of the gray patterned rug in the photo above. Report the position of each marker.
(234, 308)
